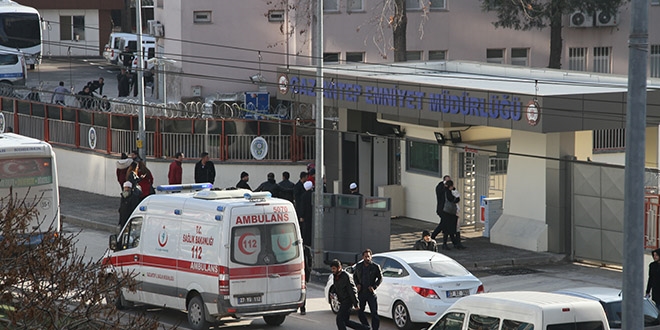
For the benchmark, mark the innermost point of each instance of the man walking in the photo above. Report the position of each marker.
(347, 296)
(367, 278)
(440, 203)
(174, 176)
(59, 93)
(204, 170)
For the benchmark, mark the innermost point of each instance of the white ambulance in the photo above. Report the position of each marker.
(214, 253)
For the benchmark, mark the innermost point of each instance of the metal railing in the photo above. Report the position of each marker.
(224, 139)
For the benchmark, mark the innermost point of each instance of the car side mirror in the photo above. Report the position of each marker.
(112, 244)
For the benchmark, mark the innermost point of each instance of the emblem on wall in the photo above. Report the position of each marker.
(533, 113)
(259, 148)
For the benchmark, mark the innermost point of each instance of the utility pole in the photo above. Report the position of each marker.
(317, 55)
(142, 135)
(633, 212)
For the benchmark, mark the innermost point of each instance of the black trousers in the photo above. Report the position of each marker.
(369, 298)
(344, 317)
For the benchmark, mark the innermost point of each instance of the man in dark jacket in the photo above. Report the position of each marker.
(243, 182)
(286, 187)
(299, 189)
(129, 200)
(440, 203)
(653, 284)
(347, 296)
(367, 278)
(126, 57)
(305, 213)
(270, 185)
(204, 169)
(426, 243)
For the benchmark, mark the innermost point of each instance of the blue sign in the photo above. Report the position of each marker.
(256, 103)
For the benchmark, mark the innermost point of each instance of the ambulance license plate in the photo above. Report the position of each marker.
(249, 299)
(457, 293)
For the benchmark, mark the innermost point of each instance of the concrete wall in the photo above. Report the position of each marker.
(93, 172)
(52, 45)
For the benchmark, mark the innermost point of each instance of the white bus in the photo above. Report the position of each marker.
(20, 29)
(28, 166)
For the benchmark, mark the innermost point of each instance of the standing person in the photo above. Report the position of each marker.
(354, 189)
(133, 177)
(128, 202)
(126, 57)
(426, 242)
(653, 284)
(124, 84)
(299, 188)
(307, 252)
(204, 169)
(59, 93)
(85, 98)
(175, 173)
(440, 203)
(367, 278)
(243, 182)
(305, 212)
(122, 165)
(347, 296)
(97, 85)
(449, 217)
(270, 185)
(286, 187)
(134, 83)
(146, 180)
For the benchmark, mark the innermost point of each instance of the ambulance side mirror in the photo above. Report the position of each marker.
(112, 244)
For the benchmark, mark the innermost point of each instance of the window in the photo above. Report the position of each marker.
(516, 325)
(413, 55)
(451, 321)
(354, 5)
(438, 4)
(655, 61)
(438, 268)
(435, 55)
(202, 16)
(159, 3)
(256, 245)
(423, 157)
(9, 59)
(483, 322)
(276, 15)
(520, 56)
(495, 56)
(331, 5)
(655, 2)
(413, 4)
(72, 28)
(354, 57)
(130, 236)
(330, 57)
(577, 59)
(592, 325)
(602, 59)
(392, 268)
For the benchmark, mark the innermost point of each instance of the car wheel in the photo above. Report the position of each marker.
(274, 320)
(197, 314)
(401, 317)
(334, 303)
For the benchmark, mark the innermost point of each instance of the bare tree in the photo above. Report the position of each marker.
(529, 14)
(49, 285)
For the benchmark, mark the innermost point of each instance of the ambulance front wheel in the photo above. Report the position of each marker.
(274, 320)
(197, 313)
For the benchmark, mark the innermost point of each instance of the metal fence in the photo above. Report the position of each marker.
(113, 132)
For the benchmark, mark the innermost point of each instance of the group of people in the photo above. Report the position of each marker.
(447, 199)
(136, 181)
(85, 97)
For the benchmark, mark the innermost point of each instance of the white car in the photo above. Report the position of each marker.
(417, 286)
(611, 300)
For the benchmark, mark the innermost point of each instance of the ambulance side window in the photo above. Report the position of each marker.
(283, 242)
(246, 245)
(130, 237)
(264, 245)
(451, 321)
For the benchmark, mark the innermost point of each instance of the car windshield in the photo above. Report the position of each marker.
(613, 312)
(438, 268)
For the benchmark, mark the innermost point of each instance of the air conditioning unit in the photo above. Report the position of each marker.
(580, 19)
(155, 28)
(604, 18)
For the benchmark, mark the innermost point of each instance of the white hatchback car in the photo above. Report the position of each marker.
(417, 286)
(611, 300)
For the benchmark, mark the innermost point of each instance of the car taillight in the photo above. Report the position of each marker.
(223, 281)
(480, 289)
(425, 292)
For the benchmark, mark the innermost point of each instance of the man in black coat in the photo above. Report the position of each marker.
(286, 187)
(204, 169)
(367, 278)
(347, 296)
(299, 189)
(270, 185)
(440, 203)
(243, 182)
(305, 213)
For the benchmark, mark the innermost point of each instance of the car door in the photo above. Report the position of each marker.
(394, 283)
(128, 258)
(248, 264)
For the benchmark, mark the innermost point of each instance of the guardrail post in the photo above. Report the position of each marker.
(158, 142)
(108, 134)
(77, 128)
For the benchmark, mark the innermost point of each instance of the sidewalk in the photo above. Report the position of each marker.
(101, 212)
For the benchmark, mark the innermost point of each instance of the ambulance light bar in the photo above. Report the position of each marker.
(181, 187)
(257, 195)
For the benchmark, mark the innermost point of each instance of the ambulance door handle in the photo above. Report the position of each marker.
(274, 275)
(136, 258)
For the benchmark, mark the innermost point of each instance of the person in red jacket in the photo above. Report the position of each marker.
(176, 171)
(146, 182)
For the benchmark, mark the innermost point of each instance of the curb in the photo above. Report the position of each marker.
(89, 224)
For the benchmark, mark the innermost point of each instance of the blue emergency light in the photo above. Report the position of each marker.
(255, 195)
(181, 187)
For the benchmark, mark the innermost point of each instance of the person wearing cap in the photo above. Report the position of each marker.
(175, 174)
(426, 242)
(243, 182)
(122, 165)
(354, 189)
(129, 201)
(305, 213)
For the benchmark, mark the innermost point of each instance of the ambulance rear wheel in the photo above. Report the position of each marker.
(197, 314)
(274, 319)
